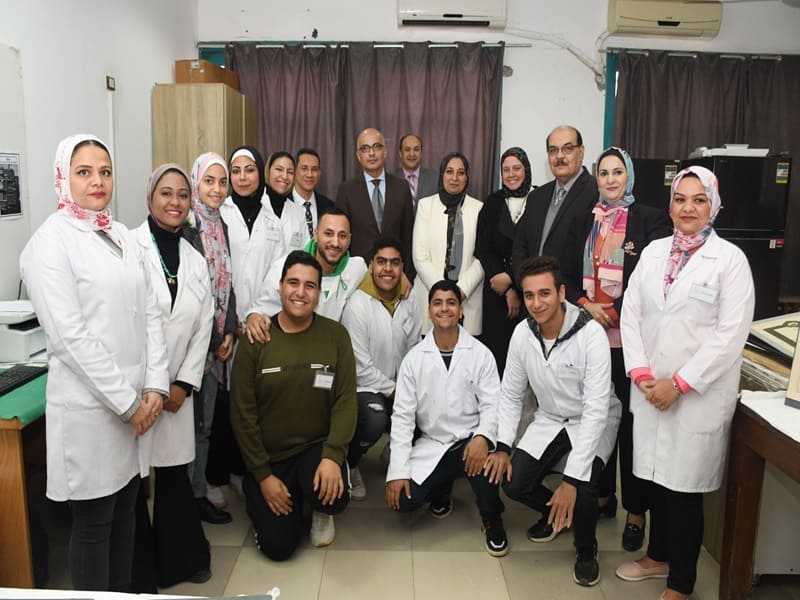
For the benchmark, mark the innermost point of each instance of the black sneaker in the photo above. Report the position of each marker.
(496, 540)
(587, 568)
(441, 506)
(541, 531)
(210, 513)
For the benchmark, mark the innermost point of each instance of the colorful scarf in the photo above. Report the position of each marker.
(215, 248)
(603, 247)
(97, 220)
(684, 245)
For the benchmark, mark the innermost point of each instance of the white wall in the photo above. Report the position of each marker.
(549, 86)
(66, 49)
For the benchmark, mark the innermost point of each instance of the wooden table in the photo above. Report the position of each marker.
(22, 441)
(753, 442)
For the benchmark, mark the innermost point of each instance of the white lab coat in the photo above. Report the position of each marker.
(380, 340)
(447, 405)
(573, 390)
(430, 249)
(698, 332)
(187, 328)
(335, 289)
(252, 254)
(105, 343)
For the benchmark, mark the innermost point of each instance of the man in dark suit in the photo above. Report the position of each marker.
(306, 179)
(377, 203)
(550, 209)
(422, 182)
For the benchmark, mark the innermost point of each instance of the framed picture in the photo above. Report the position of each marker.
(10, 200)
(778, 332)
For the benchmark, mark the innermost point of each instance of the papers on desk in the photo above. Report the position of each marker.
(778, 333)
(770, 407)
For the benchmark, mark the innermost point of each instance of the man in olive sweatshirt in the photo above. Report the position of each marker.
(293, 410)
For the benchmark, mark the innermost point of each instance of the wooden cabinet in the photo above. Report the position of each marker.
(192, 118)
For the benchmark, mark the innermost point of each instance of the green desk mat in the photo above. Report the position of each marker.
(26, 402)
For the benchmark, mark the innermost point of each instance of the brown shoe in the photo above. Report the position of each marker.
(633, 571)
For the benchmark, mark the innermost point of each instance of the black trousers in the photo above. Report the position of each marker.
(676, 533)
(526, 487)
(373, 420)
(279, 535)
(440, 481)
(101, 541)
(224, 456)
(175, 547)
(634, 492)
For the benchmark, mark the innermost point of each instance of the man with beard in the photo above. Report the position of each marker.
(383, 327)
(341, 275)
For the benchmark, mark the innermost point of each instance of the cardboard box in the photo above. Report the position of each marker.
(202, 71)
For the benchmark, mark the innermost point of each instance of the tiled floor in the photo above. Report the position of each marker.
(383, 555)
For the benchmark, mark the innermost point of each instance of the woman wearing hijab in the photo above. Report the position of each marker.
(254, 229)
(209, 235)
(687, 314)
(497, 223)
(107, 361)
(445, 228)
(606, 246)
(182, 289)
(280, 181)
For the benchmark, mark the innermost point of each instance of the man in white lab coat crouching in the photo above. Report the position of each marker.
(448, 388)
(563, 354)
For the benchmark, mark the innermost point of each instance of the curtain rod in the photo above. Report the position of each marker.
(203, 45)
(775, 57)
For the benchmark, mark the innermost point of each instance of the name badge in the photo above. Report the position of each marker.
(703, 293)
(296, 240)
(198, 289)
(273, 235)
(568, 372)
(323, 380)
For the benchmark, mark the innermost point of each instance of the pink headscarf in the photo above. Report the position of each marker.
(97, 220)
(682, 244)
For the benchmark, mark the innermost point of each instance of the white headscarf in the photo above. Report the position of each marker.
(97, 220)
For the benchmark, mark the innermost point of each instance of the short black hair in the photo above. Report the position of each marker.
(445, 285)
(387, 242)
(279, 154)
(301, 257)
(577, 135)
(333, 210)
(310, 151)
(536, 265)
(402, 139)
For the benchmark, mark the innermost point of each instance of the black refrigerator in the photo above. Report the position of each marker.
(754, 193)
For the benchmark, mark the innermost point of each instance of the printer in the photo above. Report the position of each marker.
(21, 336)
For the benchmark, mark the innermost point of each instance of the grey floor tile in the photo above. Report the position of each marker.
(299, 577)
(367, 575)
(372, 529)
(445, 575)
(544, 576)
(223, 560)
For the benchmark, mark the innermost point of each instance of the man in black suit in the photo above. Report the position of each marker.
(377, 203)
(306, 179)
(421, 182)
(550, 209)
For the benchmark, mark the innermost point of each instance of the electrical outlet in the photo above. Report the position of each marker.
(111, 83)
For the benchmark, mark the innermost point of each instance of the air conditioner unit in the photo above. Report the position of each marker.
(679, 18)
(471, 13)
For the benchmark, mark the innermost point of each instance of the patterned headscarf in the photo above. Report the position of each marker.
(682, 244)
(607, 236)
(98, 220)
(215, 249)
(525, 187)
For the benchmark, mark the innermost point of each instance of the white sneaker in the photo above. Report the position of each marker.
(358, 491)
(216, 496)
(322, 529)
(236, 485)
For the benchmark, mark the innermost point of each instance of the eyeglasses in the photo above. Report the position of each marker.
(566, 149)
(376, 147)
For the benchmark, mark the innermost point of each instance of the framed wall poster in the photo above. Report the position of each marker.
(10, 197)
(779, 332)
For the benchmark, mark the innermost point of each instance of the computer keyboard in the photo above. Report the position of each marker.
(18, 375)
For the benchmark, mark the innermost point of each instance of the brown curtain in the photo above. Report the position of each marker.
(668, 104)
(323, 97)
